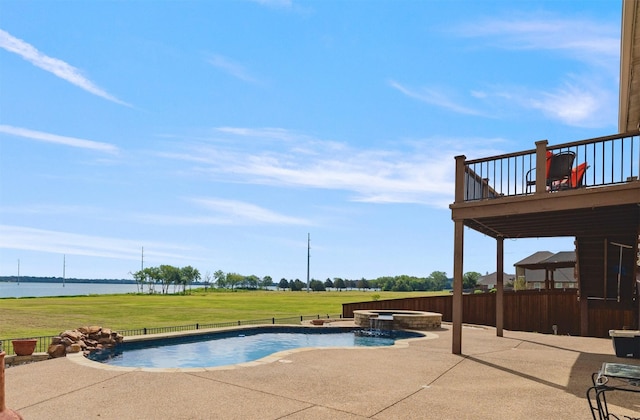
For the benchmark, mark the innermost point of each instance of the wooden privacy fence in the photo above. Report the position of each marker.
(527, 310)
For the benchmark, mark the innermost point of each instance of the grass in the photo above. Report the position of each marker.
(32, 317)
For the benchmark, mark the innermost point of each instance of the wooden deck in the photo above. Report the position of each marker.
(602, 214)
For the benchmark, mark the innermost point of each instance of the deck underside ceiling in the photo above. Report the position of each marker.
(599, 221)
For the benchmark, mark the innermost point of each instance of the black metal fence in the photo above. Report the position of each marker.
(44, 341)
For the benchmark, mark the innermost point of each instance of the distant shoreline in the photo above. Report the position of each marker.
(30, 279)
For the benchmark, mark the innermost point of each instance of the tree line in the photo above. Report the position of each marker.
(160, 279)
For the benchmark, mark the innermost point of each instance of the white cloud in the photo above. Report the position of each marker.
(576, 105)
(54, 138)
(53, 65)
(275, 3)
(434, 97)
(423, 173)
(32, 239)
(586, 40)
(242, 212)
(231, 67)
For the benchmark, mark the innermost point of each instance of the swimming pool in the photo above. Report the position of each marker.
(235, 346)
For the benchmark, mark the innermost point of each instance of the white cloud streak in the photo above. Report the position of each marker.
(243, 212)
(434, 97)
(231, 67)
(586, 40)
(275, 3)
(585, 100)
(32, 239)
(422, 174)
(55, 66)
(54, 138)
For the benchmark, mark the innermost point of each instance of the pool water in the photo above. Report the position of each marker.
(232, 347)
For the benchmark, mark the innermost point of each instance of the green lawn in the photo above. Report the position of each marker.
(49, 316)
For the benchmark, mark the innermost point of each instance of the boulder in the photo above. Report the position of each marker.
(56, 350)
(85, 339)
(73, 348)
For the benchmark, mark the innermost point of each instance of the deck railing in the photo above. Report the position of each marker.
(610, 160)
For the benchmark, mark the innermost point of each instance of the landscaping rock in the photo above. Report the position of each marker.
(86, 339)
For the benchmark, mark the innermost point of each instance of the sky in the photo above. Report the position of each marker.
(225, 134)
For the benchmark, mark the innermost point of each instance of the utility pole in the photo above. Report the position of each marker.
(308, 258)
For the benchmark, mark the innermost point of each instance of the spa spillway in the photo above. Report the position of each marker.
(397, 319)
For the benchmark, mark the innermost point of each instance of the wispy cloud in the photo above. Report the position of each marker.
(418, 172)
(53, 65)
(275, 3)
(243, 212)
(232, 68)
(219, 212)
(32, 239)
(434, 97)
(54, 138)
(586, 40)
(582, 100)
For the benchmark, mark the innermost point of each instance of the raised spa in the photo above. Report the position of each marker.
(235, 346)
(397, 319)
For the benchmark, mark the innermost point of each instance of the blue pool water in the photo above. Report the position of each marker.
(232, 347)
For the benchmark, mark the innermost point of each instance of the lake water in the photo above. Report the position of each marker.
(23, 289)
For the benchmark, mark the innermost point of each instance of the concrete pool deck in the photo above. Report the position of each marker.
(520, 375)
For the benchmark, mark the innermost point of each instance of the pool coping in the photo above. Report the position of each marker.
(280, 356)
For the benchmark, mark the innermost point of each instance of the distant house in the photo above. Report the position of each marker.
(489, 281)
(546, 270)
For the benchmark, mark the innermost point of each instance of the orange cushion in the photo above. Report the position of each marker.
(576, 174)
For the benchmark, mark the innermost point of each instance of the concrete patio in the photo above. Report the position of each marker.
(518, 376)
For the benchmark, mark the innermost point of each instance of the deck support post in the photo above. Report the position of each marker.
(458, 246)
(499, 286)
(458, 253)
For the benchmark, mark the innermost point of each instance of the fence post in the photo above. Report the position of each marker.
(273, 321)
(145, 330)
(541, 166)
(460, 179)
(197, 326)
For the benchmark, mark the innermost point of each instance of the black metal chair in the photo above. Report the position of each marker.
(558, 171)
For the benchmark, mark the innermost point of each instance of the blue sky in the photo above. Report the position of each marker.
(218, 134)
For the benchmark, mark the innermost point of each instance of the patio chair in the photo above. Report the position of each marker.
(575, 179)
(558, 170)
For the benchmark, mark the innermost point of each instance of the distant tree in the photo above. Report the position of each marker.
(316, 286)
(251, 282)
(362, 284)
(439, 280)
(154, 277)
(470, 279)
(233, 280)
(266, 281)
(328, 283)
(284, 284)
(168, 275)
(188, 275)
(338, 283)
(221, 279)
(207, 280)
(140, 277)
(296, 285)
(401, 285)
